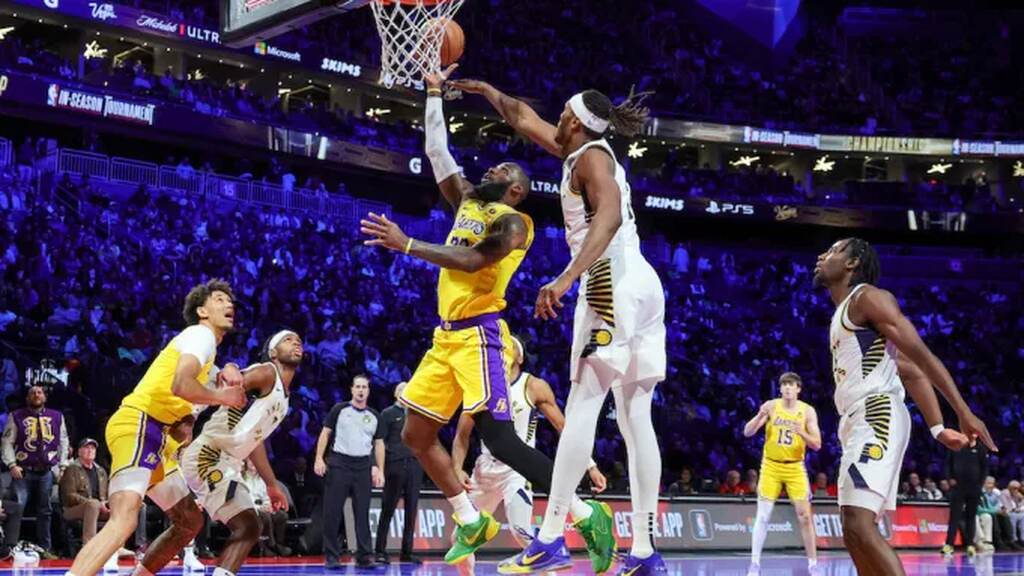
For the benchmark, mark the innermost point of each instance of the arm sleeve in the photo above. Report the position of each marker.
(197, 341)
(65, 444)
(10, 432)
(441, 160)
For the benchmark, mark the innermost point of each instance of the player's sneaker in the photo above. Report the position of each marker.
(754, 569)
(598, 532)
(469, 537)
(634, 566)
(189, 561)
(538, 557)
(972, 551)
(947, 550)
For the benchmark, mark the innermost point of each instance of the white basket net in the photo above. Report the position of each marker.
(409, 46)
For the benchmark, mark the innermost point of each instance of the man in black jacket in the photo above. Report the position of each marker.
(968, 469)
(402, 479)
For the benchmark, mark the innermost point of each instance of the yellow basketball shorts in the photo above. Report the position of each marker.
(776, 475)
(136, 440)
(467, 364)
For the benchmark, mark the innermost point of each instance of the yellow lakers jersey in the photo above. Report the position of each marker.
(153, 394)
(462, 295)
(780, 443)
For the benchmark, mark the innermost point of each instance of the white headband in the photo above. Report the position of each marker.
(276, 339)
(587, 118)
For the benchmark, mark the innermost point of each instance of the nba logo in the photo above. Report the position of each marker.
(52, 94)
(700, 523)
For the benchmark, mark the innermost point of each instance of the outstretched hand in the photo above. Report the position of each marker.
(973, 427)
(386, 233)
(437, 78)
(471, 86)
(953, 439)
(549, 298)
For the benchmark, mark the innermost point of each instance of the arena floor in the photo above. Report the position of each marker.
(832, 564)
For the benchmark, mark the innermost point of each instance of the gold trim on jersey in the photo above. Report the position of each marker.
(878, 415)
(206, 463)
(873, 356)
(599, 290)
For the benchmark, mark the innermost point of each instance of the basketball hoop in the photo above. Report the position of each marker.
(410, 46)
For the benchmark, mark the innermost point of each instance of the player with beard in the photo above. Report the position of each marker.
(876, 353)
(214, 461)
(471, 356)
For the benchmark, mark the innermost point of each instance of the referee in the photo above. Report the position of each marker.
(402, 479)
(349, 430)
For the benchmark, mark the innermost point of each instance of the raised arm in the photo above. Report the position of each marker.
(453, 186)
(878, 308)
(518, 114)
(595, 174)
(506, 234)
(759, 420)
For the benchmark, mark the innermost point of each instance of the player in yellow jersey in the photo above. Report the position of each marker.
(152, 422)
(791, 426)
(472, 351)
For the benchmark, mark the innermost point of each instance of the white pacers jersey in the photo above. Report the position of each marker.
(577, 212)
(238, 431)
(524, 417)
(863, 361)
(619, 318)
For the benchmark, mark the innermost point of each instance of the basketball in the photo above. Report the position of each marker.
(453, 42)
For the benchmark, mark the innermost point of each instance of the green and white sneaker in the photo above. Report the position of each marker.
(469, 537)
(599, 534)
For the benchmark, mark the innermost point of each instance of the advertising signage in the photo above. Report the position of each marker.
(156, 24)
(690, 524)
(98, 104)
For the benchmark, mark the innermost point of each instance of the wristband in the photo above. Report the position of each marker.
(408, 246)
(936, 430)
(592, 464)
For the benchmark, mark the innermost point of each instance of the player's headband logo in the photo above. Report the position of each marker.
(587, 118)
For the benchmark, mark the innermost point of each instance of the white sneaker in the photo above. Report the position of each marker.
(190, 563)
(754, 570)
(111, 564)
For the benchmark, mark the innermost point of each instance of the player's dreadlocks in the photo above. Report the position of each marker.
(868, 269)
(626, 119)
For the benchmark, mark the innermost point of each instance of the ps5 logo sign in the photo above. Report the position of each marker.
(729, 208)
(102, 11)
(416, 165)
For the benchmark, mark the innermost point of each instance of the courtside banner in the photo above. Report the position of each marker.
(690, 524)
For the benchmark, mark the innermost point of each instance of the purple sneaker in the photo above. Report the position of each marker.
(634, 566)
(538, 557)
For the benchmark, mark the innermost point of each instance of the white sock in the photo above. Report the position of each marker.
(764, 514)
(633, 410)
(189, 550)
(464, 509)
(141, 570)
(582, 410)
(218, 571)
(812, 562)
(579, 509)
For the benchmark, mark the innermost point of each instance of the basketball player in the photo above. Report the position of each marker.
(876, 351)
(494, 482)
(791, 426)
(471, 353)
(619, 329)
(214, 461)
(139, 433)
